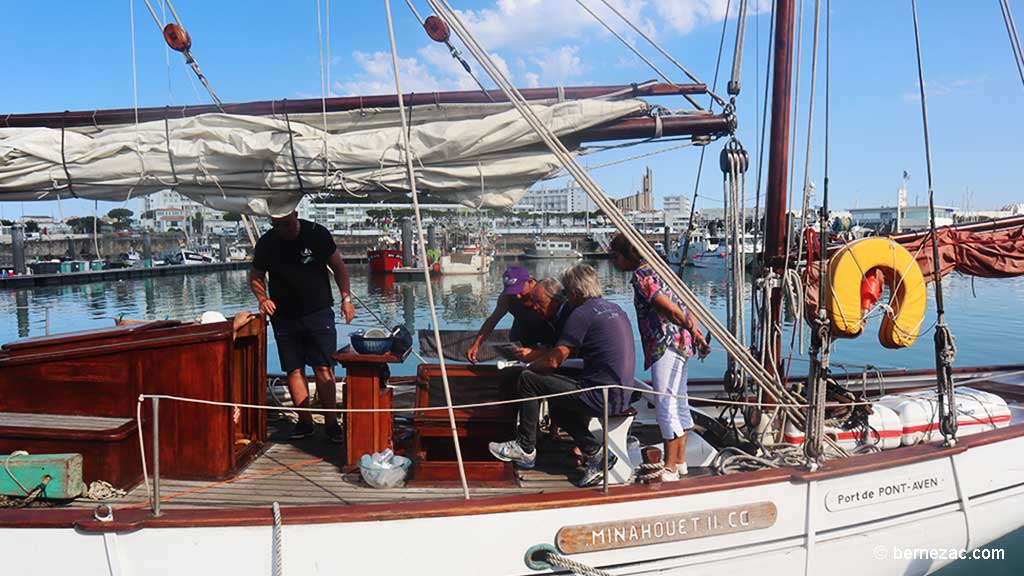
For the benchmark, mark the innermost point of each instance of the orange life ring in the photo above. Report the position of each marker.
(849, 267)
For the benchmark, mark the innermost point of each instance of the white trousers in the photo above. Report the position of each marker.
(668, 375)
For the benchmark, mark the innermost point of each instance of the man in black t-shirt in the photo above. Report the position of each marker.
(297, 254)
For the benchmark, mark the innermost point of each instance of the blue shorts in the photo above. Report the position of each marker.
(309, 340)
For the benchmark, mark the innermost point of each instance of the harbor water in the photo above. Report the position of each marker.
(981, 312)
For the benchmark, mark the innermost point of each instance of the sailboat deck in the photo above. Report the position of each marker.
(309, 473)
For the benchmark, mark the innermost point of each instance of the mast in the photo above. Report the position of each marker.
(778, 163)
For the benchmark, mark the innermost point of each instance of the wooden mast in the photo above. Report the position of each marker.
(778, 162)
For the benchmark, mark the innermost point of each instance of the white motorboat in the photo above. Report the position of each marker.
(713, 252)
(553, 249)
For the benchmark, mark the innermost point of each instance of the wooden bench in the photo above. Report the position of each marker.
(109, 446)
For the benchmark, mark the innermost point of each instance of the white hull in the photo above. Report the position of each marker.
(806, 537)
(465, 264)
(717, 259)
(552, 254)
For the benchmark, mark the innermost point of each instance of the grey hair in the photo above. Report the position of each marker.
(551, 286)
(581, 282)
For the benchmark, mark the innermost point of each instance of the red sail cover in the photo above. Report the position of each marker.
(991, 250)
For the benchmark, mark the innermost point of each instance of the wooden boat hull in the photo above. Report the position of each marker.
(974, 494)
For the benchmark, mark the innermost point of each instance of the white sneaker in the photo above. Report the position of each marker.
(511, 451)
(681, 469)
(669, 476)
(593, 474)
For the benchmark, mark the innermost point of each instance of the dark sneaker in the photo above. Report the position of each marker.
(511, 451)
(593, 474)
(301, 430)
(334, 433)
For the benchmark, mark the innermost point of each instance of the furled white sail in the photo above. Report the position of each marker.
(481, 156)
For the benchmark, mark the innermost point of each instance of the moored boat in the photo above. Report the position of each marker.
(553, 249)
(384, 260)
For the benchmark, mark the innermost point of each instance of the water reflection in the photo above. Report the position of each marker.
(463, 302)
(464, 299)
(21, 304)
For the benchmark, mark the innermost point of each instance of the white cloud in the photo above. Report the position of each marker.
(376, 76)
(685, 15)
(940, 88)
(560, 64)
(546, 40)
(526, 24)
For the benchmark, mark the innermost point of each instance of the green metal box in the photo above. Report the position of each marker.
(65, 471)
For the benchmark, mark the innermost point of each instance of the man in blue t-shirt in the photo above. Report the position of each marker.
(297, 254)
(599, 332)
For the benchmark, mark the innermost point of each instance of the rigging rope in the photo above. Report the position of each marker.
(690, 227)
(573, 565)
(323, 92)
(818, 375)
(737, 55)
(721, 101)
(945, 345)
(1011, 30)
(423, 252)
(686, 295)
(453, 51)
(635, 51)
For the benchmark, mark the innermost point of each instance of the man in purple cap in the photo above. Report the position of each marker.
(528, 327)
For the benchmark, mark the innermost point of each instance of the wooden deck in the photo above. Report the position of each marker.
(309, 473)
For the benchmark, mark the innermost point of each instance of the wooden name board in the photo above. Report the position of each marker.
(669, 528)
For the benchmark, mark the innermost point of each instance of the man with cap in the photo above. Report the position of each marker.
(297, 254)
(528, 327)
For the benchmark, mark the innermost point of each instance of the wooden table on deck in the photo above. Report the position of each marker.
(366, 377)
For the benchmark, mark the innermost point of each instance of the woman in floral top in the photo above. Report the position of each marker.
(669, 336)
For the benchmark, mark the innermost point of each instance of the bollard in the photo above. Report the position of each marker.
(18, 246)
(652, 459)
(407, 257)
(147, 250)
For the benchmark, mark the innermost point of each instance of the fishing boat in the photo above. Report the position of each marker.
(385, 256)
(237, 253)
(552, 249)
(224, 498)
(465, 260)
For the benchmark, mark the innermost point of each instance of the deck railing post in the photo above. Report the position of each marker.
(604, 393)
(156, 456)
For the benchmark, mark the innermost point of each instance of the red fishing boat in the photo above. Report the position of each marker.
(384, 260)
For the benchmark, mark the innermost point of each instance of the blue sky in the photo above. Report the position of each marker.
(77, 56)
